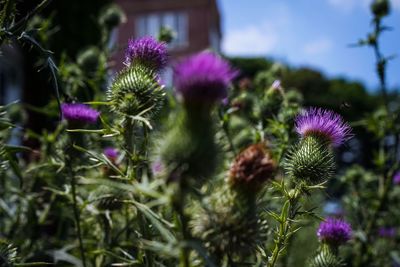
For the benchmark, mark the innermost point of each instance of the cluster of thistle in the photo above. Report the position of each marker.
(209, 198)
(225, 208)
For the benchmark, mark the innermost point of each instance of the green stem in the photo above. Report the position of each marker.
(129, 146)
(380, 62)
(364, 255)
(182, 222)
(226, 131)
(288, 215)
(77, 219)
(134, 172)
(184, 257)
(360, 260)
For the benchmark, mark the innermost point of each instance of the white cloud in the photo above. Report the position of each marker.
(251, 40)
(259, 39)
(318, 46)
(396, 4)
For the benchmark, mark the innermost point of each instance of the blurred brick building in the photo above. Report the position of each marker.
(196, 24)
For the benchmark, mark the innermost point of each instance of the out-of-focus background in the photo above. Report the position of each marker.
(311, 40)
(307, 33)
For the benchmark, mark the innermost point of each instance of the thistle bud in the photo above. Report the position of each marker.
(166, 35)
(111, 17)
(312, 159)
(91, 60)
(136, 91)
(230, 225)
(252, 167)
(380, 8)
(272, 100)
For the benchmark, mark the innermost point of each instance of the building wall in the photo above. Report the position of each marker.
(203, 24)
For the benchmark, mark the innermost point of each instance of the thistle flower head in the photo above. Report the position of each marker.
(252, 167)
(325, 123)
(203, 77)
(396, 178)
(79, 113)
(147, 51)
(334, 232)
(110, 153)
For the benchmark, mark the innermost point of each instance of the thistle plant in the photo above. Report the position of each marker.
(332, 233)
(200, 81)
(190, 151)
(310, 163)
(230, 223)
(77, 115)
(228, 175)
(381, 123)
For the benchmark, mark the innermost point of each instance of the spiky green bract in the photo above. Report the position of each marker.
(229, 224)
(108, 198)
(189, 149)
(311, 161)
(325, 257)
(8, 254)
(135, 91)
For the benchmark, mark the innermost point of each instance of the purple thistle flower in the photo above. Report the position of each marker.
(110, 153)
(317, 121)
(334, 231)
(76, 112)
(147, 51)
(388, 232)
(396, 178)
(203, 77)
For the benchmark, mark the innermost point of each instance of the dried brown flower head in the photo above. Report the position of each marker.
(252, 167)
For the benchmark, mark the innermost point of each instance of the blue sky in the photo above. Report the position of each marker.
(311, 33)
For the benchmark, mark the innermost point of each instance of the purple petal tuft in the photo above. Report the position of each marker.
(396, 178)
(203, 77)
(334, 231)
(110, 153)
(79, 113)
(323, 122)
(147, 51)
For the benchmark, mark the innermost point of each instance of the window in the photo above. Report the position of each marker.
(150, 24)
(215, 39)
